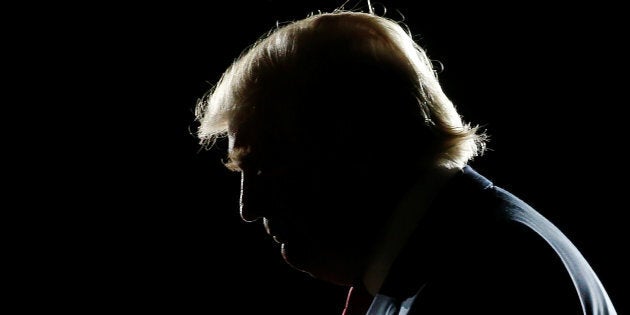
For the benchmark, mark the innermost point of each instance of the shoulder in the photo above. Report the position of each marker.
(492, 253)
(505, 269)
(498, 257)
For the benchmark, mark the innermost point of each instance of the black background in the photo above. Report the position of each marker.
(139, 218)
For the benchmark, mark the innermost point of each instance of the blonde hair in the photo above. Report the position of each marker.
(293, 57)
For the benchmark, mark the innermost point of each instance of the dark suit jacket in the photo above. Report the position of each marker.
(481, 250)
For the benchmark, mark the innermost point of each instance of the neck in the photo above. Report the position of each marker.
(401, 224)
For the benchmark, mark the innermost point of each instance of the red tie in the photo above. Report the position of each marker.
(358, 302)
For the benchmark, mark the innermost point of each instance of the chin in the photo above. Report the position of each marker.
(312, 262)
(293, 259)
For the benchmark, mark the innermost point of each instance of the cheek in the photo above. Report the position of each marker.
(341, 204)
(333, 204)
(350, 190)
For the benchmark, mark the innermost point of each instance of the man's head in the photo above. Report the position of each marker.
(330, 119)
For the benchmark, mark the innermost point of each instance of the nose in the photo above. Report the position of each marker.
(249, 201)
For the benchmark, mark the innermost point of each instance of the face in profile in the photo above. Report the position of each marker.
(323, 205)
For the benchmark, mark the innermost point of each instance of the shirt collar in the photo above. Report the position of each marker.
(402, 224)
(430, 244)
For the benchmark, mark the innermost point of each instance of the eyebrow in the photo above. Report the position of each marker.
(235, 158)
(231, 165)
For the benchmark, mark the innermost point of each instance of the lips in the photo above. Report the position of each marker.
(280, 236)
(278, 232)
(279, 239)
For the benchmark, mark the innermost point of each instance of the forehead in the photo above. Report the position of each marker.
(262, 142)
(269, 125)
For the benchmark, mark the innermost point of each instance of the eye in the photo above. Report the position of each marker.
(240, 167)
(231, 165)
